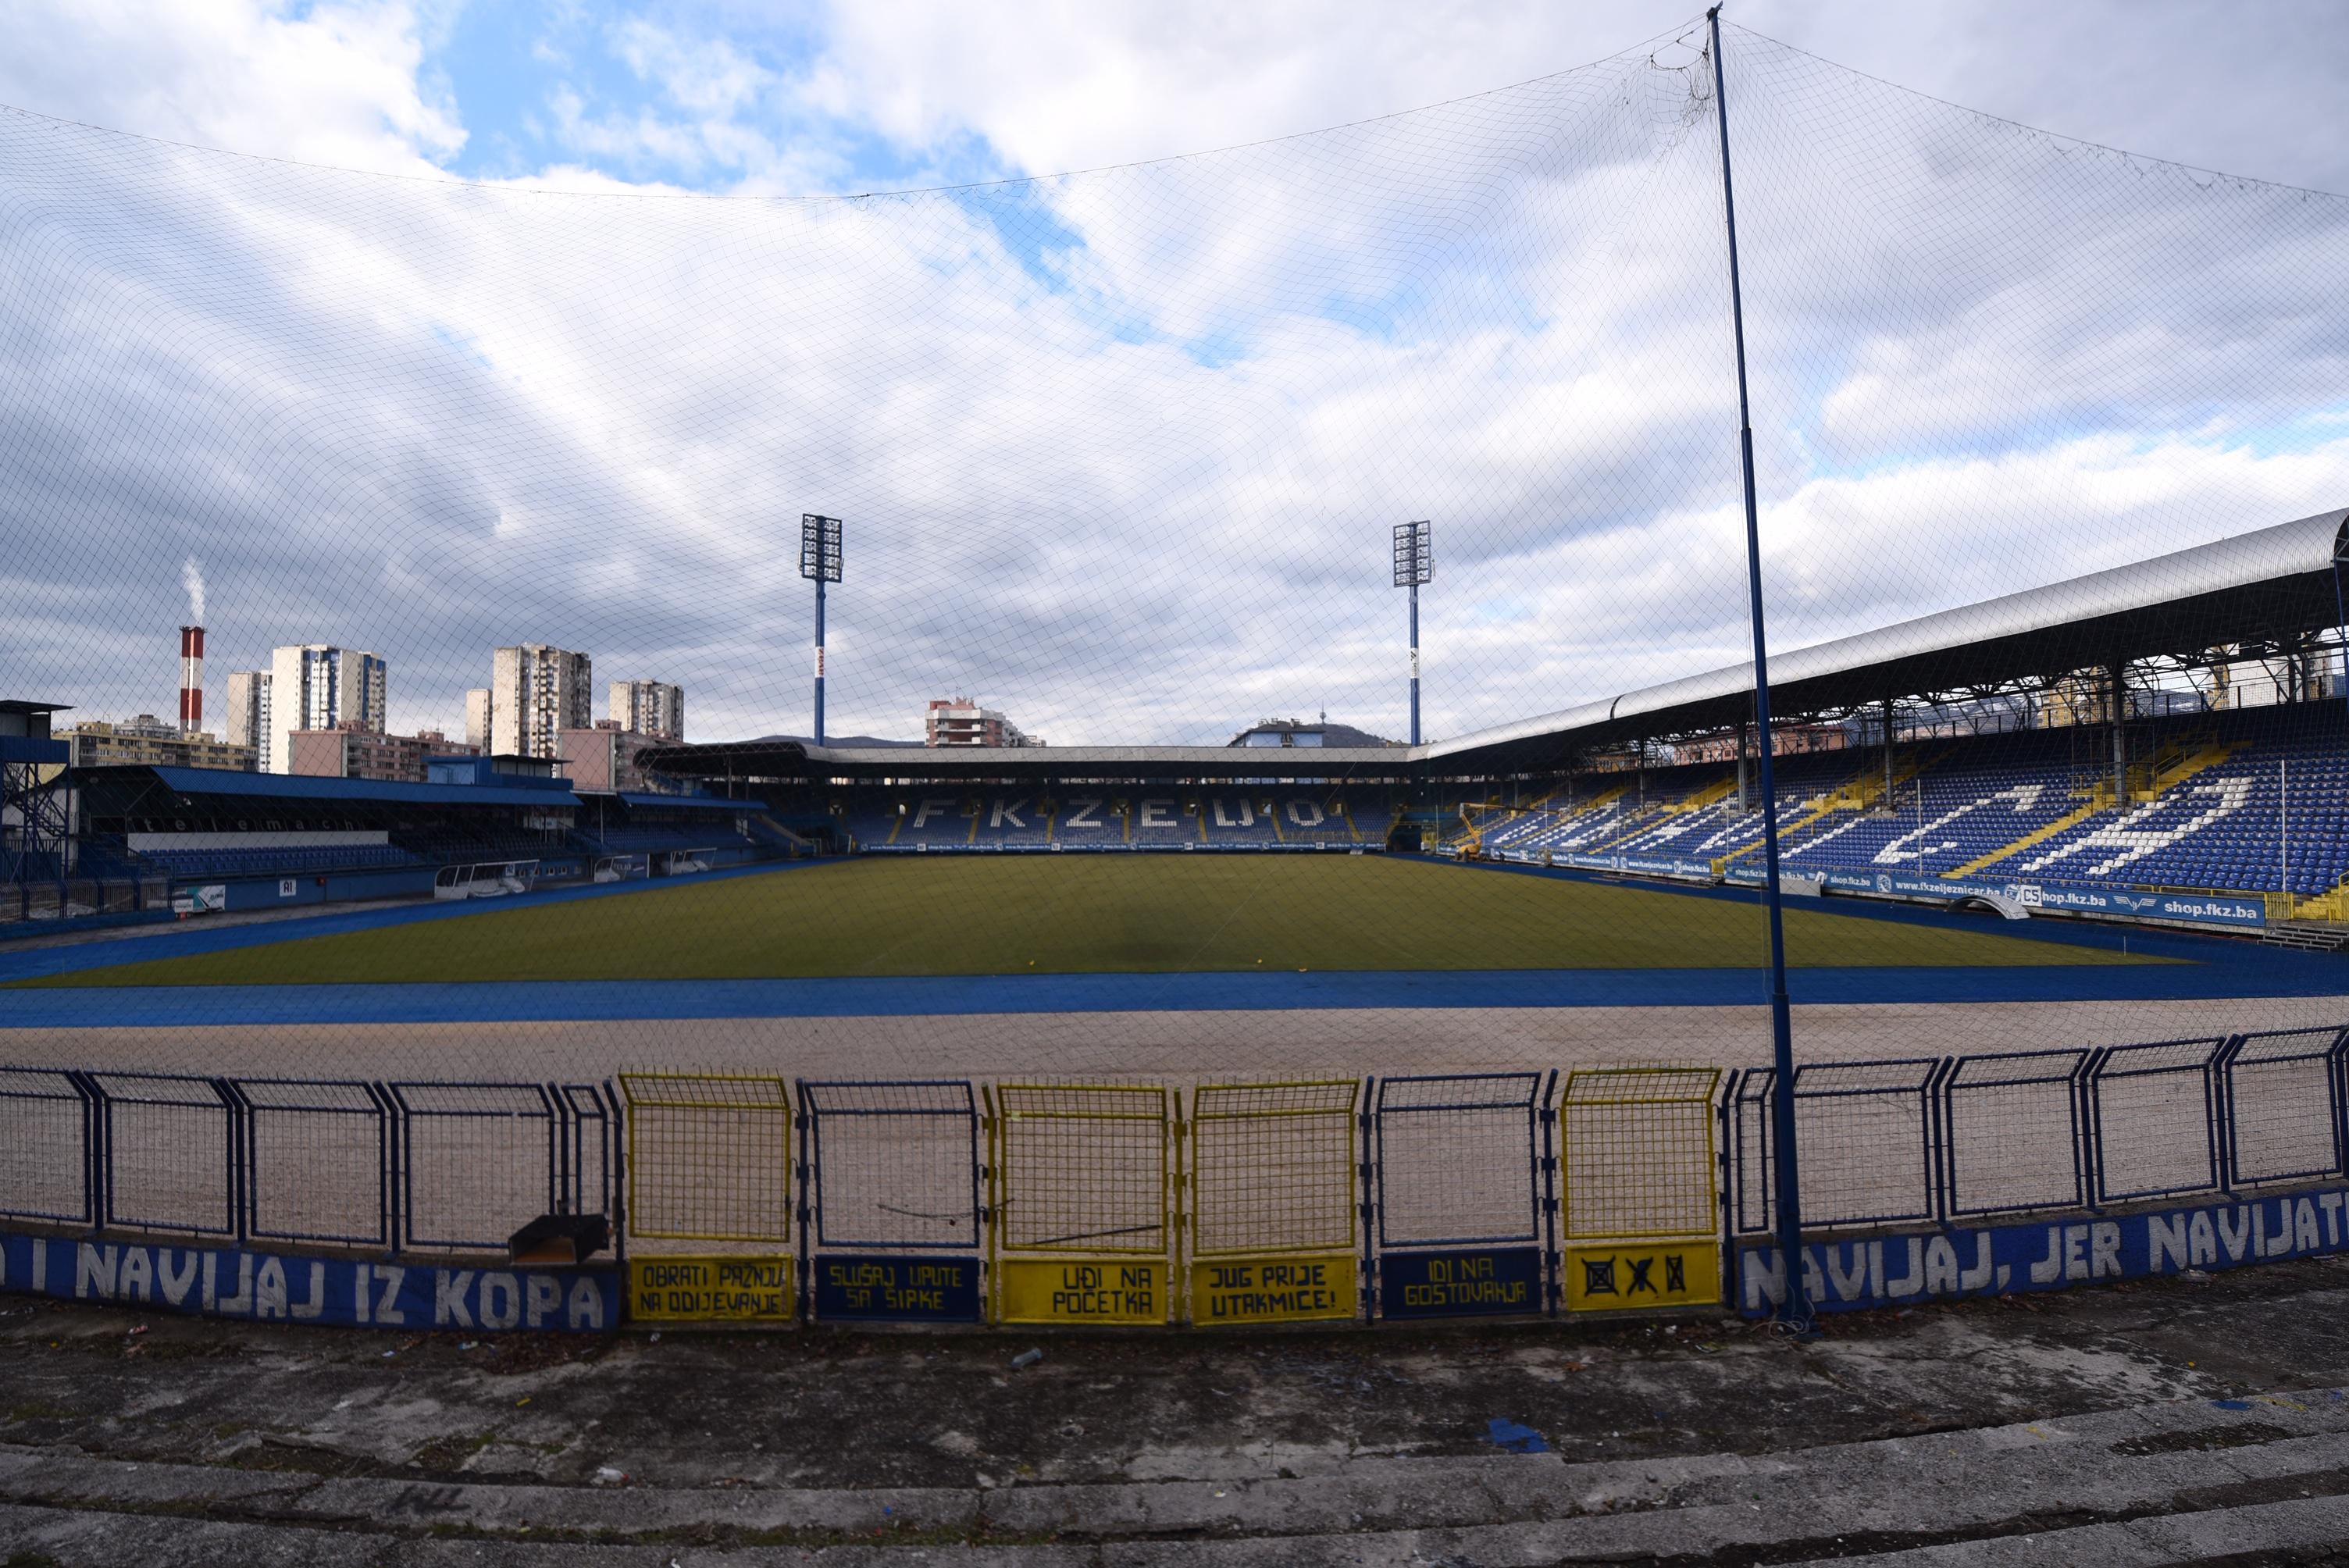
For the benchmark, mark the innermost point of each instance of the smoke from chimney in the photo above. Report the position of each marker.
(191, 578)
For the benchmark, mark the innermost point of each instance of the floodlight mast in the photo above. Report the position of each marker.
(1414, 564)
(1795, 1308)
(819, 565)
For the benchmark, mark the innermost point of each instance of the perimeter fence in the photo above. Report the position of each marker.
(761, 1197)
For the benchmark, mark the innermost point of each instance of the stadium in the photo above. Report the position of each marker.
(735, 830)
(2044, 727)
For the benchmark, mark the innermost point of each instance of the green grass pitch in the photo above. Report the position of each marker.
(1091, 914)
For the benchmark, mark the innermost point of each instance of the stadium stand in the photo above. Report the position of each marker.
(1110, 818)
(256, 840)
(2252, 801)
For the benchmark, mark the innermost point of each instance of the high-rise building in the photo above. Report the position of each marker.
(316, 686)
(537, 692)
(477, 718)
(648, 707)
(958, 721)
(248, 712)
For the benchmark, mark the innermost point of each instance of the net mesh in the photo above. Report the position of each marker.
(454, 474)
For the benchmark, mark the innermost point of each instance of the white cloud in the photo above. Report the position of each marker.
(1118, 451)
(340, 85)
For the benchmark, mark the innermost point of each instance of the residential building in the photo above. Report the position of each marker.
(316, 686)
(477, 718)
(603, 760)
(151, 742)
(537, 692)
(248, 713)
(654, 708)
(960, 721)
(347, 751)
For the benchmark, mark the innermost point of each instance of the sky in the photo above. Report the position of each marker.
(483, 324)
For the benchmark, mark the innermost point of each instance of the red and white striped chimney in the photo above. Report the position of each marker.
(192, 679)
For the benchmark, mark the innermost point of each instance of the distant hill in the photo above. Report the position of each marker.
(1347, 735)
(1338, 734)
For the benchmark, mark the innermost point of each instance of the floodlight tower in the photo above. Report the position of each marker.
(819, 565)
(1414, 564)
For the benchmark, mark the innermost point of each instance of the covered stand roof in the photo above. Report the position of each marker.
(2264, 588)
(202, 782)
(793, 758)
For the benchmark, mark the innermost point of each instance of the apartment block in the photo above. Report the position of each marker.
(537, 692)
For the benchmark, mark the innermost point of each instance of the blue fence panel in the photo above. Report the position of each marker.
(2153, 1120)
(318, 1161)
(48, 1147)
(893, 1163)
(1461, 1188)
(2281, 1105)
(587, 1174)
(478, 1160)
(1868, 1134)
(2013, 1133)
(890, 1183)
(169, 1153)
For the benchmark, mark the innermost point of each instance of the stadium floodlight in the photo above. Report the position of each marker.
(1414, 564)
(819, 565)
(1795, 1311)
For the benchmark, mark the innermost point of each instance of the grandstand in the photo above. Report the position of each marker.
(155, 840)
(1272, 818)
(2249, 802)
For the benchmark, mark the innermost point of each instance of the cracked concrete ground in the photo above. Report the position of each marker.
(2185, 1420)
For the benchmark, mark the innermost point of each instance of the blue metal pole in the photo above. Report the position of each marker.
(1795, 1310)
(818, 661)
(1414, 663)
(2341, 623)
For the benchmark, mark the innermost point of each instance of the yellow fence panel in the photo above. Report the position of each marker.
(1275, 1167)
(709, 1157)
(1085, 1173)
(1275, 1199)
(1636, 1147)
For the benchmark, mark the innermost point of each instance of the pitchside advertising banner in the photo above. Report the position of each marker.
(2052, 1254)
(274, 1287)
(2198, 909)
(2074, 898)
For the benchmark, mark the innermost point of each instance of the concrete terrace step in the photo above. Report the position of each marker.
(2155, 1484)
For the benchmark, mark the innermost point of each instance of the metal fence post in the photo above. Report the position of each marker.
(1367, 1204)
(1554, 1264)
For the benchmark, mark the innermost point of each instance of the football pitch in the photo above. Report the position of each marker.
(971, 915)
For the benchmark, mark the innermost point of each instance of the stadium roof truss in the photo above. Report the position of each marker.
(2270, 595)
